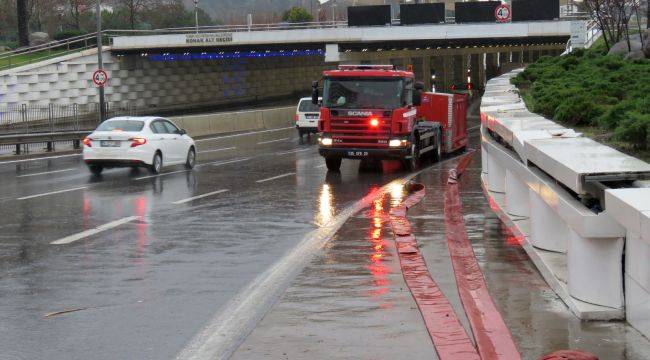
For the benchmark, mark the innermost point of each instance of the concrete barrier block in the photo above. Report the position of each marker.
(594, 281)
(637, 266)
(221, 124)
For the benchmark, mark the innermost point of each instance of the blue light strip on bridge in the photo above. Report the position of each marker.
(232, 55)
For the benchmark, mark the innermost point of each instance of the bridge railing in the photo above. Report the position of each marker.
(33, 54)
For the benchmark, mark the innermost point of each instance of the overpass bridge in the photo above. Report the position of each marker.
(183, 68)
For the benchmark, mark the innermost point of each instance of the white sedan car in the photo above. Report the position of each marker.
(152, 142)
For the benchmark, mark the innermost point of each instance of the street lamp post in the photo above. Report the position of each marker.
(196, 14)
(100, 63)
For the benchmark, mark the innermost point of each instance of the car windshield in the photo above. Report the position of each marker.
(121, 125)
(308, 106)
(366, 93)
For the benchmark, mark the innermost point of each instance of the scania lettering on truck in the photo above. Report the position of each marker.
(380, 112)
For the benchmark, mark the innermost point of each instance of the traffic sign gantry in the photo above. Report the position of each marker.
(100, 78)
(503, 13)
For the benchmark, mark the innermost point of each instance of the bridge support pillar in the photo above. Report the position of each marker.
(476, 71)
(491, 68)
(447, 73)
(426, 72)
(504, 57)
(536, 55)
(438, 70)
(460, 69)
(526, 56)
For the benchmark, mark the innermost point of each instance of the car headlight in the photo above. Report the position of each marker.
(397, 143)
(325, 141)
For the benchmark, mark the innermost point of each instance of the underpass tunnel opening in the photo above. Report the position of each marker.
(190, 78)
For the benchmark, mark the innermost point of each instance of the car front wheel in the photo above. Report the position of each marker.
(156, 164)
(191, 159)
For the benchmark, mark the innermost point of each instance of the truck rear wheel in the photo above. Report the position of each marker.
(436, 153)
(333, 164)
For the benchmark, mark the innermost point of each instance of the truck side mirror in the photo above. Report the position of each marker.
(419, 85)
(314, 92)
(417, 98)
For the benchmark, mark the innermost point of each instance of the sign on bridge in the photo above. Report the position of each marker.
(208, 39)
(502, 13)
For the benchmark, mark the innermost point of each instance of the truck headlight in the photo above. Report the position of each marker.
(397, 143)
(325, 141)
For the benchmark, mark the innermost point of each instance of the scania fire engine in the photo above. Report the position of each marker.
(380, 112)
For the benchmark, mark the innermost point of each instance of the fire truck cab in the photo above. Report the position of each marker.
(375, 112)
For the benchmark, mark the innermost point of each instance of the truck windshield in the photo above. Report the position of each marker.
(362, 93)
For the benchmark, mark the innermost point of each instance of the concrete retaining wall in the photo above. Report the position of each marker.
(219, 123)
(138, 81)
(534, 173)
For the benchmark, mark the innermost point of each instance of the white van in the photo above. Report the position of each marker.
(306, 117)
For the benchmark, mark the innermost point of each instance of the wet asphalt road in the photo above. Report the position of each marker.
(145, 288)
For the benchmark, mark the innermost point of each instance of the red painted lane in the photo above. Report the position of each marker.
(448, 335)
(493, 338)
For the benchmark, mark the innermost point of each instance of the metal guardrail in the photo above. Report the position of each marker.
(23, 125)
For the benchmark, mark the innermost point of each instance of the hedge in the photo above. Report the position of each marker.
(590, 88)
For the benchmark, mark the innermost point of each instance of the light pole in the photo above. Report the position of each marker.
(196, 14)
(100, 63)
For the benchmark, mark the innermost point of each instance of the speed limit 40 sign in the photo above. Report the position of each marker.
(503, 13)
(100, 78)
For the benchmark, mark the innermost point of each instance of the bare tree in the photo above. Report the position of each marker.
(134, 9)
(613, 17)
(23, 22)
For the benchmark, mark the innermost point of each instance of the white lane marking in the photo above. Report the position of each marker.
(200, 196)
(272, 141)
(97, 230)
(219, 163)
(244, 134)
(216, 163)
(50, 193)
(320, 166)
(161, 174)
(215, 150)
(44, 173)
(291, 151)
(40, 158)
(474, 128)
(276, 177)
(234, 321)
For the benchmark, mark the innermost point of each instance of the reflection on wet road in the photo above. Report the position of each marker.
(150, 258)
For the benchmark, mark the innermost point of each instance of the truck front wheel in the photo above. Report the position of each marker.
(333, 164)
(413, 163)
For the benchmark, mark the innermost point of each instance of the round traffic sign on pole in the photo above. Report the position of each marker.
(100, 78)
(502, 13)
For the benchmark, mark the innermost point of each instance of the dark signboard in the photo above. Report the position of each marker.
(530, 10)
(411, 14)
(470, 12)
(369, 15)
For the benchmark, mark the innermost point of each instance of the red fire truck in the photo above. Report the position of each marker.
(380, 112)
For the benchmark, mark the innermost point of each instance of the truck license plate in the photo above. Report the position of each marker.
(357, 153)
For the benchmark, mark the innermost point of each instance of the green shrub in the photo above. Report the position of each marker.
(577, 110)
(591, 88)
(614, 115)
(66, 34)
(635, 129)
